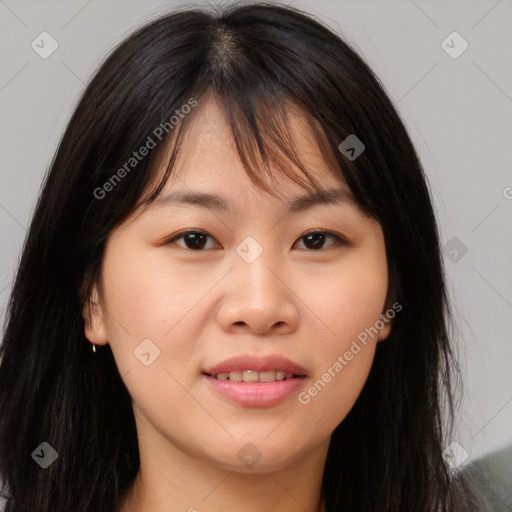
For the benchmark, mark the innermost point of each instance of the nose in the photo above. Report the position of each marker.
(259, 299)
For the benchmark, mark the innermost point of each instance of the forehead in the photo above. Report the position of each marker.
(208, 156)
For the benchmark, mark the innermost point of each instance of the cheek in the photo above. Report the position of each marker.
(147, 300)
(332, 393)
(151, 311)
(149, 293)
(350, 299)
(349, 306)
(343, 360)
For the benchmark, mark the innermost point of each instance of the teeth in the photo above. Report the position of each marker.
(235, 376)
(268, 376)
(254, 376)
(250, 376)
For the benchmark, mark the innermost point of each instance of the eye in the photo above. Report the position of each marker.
(193, 239)
(316, 239)
(197, 240)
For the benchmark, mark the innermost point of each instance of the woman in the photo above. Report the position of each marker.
(231, 295)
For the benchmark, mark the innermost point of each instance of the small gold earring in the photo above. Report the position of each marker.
(94, 348)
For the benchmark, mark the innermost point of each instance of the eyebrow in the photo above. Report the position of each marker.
(298, 204)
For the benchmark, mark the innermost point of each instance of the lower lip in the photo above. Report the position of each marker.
(256, 394)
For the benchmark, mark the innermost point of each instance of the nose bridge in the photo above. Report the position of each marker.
(256, 264)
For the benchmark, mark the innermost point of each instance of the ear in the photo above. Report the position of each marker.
(387, 320)
(94, 317)
(386, 330)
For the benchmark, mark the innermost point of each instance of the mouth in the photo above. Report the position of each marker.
(255, 381)
(255, 376)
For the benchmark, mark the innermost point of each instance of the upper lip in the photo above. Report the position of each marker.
(260, 364)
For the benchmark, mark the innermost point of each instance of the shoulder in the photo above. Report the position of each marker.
(491, 478)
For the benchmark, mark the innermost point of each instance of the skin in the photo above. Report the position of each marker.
(201, 307)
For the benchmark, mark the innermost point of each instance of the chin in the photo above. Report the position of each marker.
(258, 456)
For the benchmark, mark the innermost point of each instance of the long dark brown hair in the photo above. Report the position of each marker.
(256, 59)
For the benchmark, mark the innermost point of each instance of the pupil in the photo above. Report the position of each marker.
(318, 239)
(196, 240)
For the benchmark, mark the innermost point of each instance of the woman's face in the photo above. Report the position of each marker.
(251, 297)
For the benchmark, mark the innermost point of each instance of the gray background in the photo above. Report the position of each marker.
(457, 110)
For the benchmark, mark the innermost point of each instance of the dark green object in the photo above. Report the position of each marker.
(491, 476)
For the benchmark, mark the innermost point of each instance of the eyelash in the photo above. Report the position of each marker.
(340, 239)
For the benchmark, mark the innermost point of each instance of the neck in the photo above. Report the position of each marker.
(170, 479)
